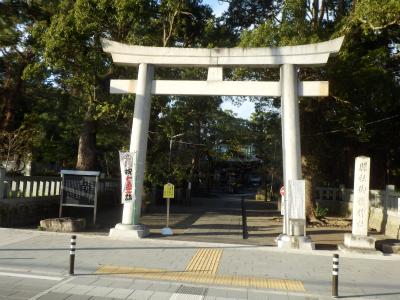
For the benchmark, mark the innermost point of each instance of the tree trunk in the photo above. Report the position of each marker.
(308, 177)
(196, 154)
(322, 12)
(315, 8)
(264, 188)
(10, 98)
(310, 215)
(340, 11)
(87, 145)
(208, 176)
(7, 112)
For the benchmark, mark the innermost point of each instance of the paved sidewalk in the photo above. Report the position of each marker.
(239, 272)
(86, 287)
(218, 219)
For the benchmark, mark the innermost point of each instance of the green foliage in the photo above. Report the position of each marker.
(243, 14)
(320, 212)
(377, 15)
(362, 109)
(16, 147)
(265, 34)
(54, 79)
(20, 83)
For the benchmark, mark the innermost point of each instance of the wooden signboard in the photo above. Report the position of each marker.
(79, 188)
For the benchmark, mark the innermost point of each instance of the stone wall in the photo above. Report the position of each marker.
(345, 209)
(381, 220)
(27, 211)
(385, 221)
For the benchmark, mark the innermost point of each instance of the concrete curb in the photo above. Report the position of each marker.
(240, 247)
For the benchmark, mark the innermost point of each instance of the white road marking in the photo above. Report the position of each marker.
(50, 289)
(186, 297)
(31, 276)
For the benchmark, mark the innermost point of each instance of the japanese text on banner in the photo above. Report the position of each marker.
(128, 176)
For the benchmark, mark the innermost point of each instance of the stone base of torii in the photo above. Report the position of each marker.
(285, 241)
(128, 232)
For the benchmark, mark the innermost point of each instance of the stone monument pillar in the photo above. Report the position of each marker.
(359, 240)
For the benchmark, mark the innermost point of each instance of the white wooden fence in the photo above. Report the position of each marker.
(12, 187)
(15, 187)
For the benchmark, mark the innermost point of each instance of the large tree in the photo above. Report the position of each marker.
(73, 51)
(24, 82)
(362, 107)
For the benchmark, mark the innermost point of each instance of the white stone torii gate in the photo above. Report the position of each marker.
(288, 59)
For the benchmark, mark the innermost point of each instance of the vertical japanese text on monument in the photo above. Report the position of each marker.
(361, 196)
(128, 165)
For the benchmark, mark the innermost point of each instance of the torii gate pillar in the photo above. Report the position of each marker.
(291, 149)
(290, 123)
(130, 226)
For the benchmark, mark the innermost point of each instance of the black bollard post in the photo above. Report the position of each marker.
(72, 255)
(244, 221)
(335, 275)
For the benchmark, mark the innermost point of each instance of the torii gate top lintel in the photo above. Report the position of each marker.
(302, 55)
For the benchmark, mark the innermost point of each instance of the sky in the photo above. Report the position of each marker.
(243, 111)
(247, 108)
(218, 6)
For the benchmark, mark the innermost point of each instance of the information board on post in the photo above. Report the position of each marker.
(79, 188)
(169, 191)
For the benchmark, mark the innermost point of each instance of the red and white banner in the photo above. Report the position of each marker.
(127, 162)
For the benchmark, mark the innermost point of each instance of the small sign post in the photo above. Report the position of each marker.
(283, 207)
(282, 192)
(168, 193)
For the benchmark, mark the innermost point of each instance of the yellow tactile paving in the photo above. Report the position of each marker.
(195, 277)
(202, 268)
(205, 261)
